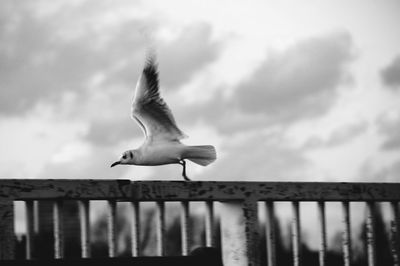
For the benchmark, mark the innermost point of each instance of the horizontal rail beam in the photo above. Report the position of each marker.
(264, 191)
(25, 189)
(126, 190)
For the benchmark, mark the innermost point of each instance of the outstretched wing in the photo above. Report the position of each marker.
(150, 110)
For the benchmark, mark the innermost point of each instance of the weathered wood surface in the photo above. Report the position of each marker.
(135, 228)
(209, 224)
(263, 191)
(371, 237)
(296, 234)
(29, 213)
(346, 239)
(7, 241)
(58, 219)
(84, 221)
(239, 233)
(322, 233)
(25, 189)
(185, 228)
(111, 228)
(270, 231)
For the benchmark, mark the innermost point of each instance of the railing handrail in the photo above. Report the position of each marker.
(238, 209)
(123, 189)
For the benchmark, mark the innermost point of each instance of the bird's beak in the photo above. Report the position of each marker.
(114, 164)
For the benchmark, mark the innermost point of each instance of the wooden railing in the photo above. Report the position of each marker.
(238, 204)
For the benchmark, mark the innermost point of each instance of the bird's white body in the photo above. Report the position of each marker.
(162, 145)
(160, 153)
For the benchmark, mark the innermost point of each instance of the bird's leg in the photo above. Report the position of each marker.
(183, 163)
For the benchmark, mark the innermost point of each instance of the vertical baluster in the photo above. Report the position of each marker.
(111, 218)
(371, 233)
(35, 217)
(58, 214)
(346, 233)
(29, 229)
(270, 233)
(7, 235)
(135, 228)
(296, 237)
(322, 228)
(209, 224)
(160, 228)
(394, 230)
(85, 228)
(185, 227)
(240, 233)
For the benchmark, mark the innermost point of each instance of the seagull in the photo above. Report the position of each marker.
(162, 136)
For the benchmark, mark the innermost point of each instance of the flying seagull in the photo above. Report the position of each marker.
(162, 136)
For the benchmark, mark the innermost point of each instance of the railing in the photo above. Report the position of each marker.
(238, 204)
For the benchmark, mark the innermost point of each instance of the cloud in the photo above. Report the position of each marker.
(44, 56)
(39, 63)
(298, 83)
(301, 82)
(261, 157)
(339, 136)
(391, 74)
(389, 126)
(92, 164)
(370, 172)
(190, 52)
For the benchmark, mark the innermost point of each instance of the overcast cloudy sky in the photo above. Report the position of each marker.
(285, 90)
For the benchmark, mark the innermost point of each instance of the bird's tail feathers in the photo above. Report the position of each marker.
(203, 155)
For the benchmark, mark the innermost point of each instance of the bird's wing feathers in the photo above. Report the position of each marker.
(150, 110)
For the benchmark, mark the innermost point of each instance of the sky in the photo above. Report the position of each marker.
(285, 90)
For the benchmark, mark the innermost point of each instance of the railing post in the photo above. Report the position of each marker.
(209, 224)
(7, 241)
(270, 233)
(239, 233)
(296, 234)
(58, 220)
(371, 240)
(84, 220)
(394, 232)
(346, 243)
(29, 212)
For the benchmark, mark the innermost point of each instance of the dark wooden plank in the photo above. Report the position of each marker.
(276, 191)
(25, 189)
(7, 239)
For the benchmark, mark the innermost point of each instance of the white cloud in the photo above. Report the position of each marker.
(73, 151)
(389, 126)
(391, 74)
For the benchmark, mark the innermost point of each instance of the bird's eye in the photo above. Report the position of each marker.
(124, 157)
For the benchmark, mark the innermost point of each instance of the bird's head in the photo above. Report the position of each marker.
(127, 157)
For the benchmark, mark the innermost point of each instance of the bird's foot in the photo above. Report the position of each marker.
(183, 163)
